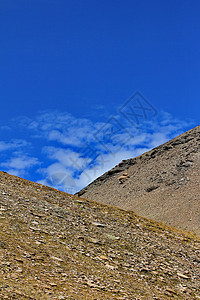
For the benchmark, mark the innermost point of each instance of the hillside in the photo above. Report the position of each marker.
(162, 184)
(57, 246)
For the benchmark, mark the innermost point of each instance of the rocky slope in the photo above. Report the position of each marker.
(162, 184)
(57, 246)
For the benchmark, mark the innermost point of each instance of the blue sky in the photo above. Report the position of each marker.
(72, 71)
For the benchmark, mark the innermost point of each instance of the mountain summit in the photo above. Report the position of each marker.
(162, 184)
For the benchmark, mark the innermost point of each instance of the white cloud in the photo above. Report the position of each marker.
(59, 177)
(20, 162)
(104, 163)
(13, 144)
(66, 138)
(67, 157)
(77, 150)
(4, 146)
(62, 128)
(15, 172)
(18, 165)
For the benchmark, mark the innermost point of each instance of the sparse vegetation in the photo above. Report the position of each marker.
(58, 246)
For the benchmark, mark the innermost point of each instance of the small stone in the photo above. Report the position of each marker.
(19, 293)
(182, 276)
(19, 260)
(110, 267)
(52, 284)
(112, 237)
(79, 201)
(64, 274)
(34, 229)
(98, 224)
(94, 241)
(47, 287)
(38, 243)
(145, 270)
(19, 270)
(104, 257)
(171, 291)
(154, 273)
(56, 258)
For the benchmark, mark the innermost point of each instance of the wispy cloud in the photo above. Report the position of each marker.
(13, 144)
(94, 153)
(59, 127)
(19, 164)
(66, 157)
(74, 151)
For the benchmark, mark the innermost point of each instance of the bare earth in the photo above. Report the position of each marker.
(58, 246)
(162, 184)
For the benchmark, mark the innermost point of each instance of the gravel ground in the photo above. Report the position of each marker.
(58, 246)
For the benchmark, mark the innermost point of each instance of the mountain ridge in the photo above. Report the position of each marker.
(169, 172)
